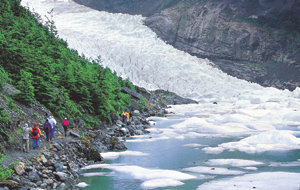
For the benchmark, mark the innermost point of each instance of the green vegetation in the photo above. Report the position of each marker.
(43, 68)
(5, 172)
(3, 77)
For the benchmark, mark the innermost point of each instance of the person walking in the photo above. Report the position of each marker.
(47, 129)
(26, 131)
(65, 125)
(36, 133)
(52, 121)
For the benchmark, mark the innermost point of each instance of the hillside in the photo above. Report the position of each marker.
(42, 67)
(257, 41)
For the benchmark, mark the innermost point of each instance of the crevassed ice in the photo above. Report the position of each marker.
(134, 51)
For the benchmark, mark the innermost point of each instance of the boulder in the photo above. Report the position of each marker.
(19, 169)
(61, 176)
(58, 166)
(33, 176)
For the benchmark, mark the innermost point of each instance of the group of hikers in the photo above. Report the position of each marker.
(35, 132)
(126, 116)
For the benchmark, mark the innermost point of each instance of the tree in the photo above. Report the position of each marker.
(26, 94)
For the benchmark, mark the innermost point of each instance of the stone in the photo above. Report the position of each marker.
(49, 181)
(44, 185)
(61, 176)
(58, 166)
(61, 186)
(33, 176)
(44, 160)
(19, 169)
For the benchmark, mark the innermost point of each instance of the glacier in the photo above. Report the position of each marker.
(264, 119)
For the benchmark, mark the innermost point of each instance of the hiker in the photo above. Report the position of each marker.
(113, 117)
(36, 133)
(130, 116)
(47, 129)
(65, 125)
(26, 131)
(52, 121)
(127, 116)
(123, 116)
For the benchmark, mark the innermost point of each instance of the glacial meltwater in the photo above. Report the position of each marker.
(240, 136)
(174, 156)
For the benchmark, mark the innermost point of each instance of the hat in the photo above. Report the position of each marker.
(65, 118)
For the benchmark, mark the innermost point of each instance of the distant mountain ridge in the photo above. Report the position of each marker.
(257, 40)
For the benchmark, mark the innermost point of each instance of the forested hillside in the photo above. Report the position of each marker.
(40, 65)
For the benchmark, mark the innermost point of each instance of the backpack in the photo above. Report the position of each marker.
(34, 133)
(47, 128)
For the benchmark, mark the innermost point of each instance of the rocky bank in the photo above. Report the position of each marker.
(56, 165)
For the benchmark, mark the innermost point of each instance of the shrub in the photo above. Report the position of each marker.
(5, 172)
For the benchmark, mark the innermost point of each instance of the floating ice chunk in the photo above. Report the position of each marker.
(193, 145)
(141, 173)
(155, 183)
(250, 168)
(233, 162)
(98, 174)
(211, 170)
(115, 155)
(265, 141)
(266, 180)
(82, 185)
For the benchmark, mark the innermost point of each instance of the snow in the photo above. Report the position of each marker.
(266, 180)
(233, 162)
(213, 170)
(115, 155)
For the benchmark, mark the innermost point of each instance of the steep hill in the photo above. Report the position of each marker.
(254, 40)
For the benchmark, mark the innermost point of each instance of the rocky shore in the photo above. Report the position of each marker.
(57, 165)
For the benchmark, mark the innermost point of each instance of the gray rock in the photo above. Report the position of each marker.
(61, 186)
(44, 185)
(44, 160)
(58, 166)
(33, 176)
(61, 176)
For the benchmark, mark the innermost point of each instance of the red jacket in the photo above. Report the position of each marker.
(65, 123)
(38, 132)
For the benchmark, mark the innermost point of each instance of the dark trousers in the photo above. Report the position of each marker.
(48, 135)
(65, 129)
